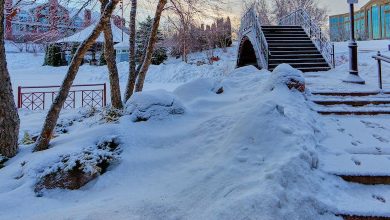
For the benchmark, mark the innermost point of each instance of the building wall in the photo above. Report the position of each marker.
(372, 22)
(45, 22)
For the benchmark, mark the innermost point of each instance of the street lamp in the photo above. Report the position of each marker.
(353, 76)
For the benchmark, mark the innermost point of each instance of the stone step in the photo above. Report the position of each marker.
(296, 52)
(365, 169)
(354, 112)
(308, 69)
(280, 26)
(297, 56)
(355, 103)
(347, 93)
(297, 60)
(356, 217)
(290, 35)
(292, 48)
(288, 41)
(302, 65)
(288, 38)
(290, 44)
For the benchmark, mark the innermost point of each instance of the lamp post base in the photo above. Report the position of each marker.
(353, 78)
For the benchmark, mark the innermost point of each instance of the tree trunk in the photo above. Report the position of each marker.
(150, 48)
(109, 54)
(132, 65)
(54, 112)
(9, 118)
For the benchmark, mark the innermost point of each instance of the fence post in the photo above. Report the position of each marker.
(19, 97)
(379, 70)
(104, 95)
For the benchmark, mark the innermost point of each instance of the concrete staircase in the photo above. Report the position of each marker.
(291, 45)
(356, 103)
(368, 167)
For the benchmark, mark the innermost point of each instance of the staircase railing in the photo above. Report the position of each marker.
(251, 22)
(301, 18)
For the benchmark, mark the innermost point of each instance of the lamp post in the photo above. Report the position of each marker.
(353, 76)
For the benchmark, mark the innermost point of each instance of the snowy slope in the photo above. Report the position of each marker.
(218, 160)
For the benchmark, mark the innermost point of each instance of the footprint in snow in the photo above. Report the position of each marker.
(379, 198)
(357, 162)
(369, 124)
(380, 138)
(356, 143)
(341, 130)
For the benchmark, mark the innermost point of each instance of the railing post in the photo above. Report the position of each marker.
(333, 56)
(19, 97)
(379, 70)
(105, 94)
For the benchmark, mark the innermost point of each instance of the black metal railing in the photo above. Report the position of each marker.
(379, 57)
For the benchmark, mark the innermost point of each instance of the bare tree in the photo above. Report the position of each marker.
(263, 9)
(55, 109)
(149, 50)
(9, 118)
(109, 54)
(284, 7)
(132, 54)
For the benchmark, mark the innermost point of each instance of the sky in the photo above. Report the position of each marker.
(333, 6)
(339, 6)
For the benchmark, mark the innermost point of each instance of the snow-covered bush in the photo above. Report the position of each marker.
(111, 115)
(157, 104)
(285, 75)
(75, 170)
(27, 138)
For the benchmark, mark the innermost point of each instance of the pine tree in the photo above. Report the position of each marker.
(102, 59)
(159, 56)
(143, 33)
(53, 56)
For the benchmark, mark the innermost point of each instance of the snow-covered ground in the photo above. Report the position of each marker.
(256, 151)
(332, 80)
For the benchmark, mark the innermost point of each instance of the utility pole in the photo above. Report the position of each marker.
(353, 76)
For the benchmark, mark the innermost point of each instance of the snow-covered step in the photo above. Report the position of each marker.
(356, 103)
(348, 110)
(359, 168)
(364, 203)
(348, 93)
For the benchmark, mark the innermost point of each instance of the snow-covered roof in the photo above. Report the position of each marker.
(82, 35)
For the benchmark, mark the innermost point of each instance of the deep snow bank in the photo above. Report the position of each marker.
(248, 153)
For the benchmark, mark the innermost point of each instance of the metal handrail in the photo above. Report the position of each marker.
(379, 57)
(301, 18)
(251, 20)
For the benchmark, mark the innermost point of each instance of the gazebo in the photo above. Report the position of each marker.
(122, 51)
(67, 43)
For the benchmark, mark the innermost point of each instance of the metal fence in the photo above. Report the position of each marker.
(41, 97)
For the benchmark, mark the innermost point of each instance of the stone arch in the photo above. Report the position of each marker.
(247, 54)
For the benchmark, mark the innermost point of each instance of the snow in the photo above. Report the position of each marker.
(333, 79)
(255, 151)
(84, 34)
(157, 104)
(219, 160)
